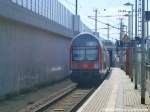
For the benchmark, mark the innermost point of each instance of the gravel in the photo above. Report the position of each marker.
(17, 103)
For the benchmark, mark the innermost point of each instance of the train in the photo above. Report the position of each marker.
(89, 59)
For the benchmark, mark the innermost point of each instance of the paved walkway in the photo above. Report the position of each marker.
(116, 94)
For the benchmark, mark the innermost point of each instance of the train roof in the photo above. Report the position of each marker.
(86, 39)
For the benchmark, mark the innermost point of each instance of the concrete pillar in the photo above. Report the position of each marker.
(76, 24)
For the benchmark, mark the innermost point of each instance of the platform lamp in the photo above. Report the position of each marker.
(129, 18)
(131, 5)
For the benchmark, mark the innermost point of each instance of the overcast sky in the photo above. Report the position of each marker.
(86, 8)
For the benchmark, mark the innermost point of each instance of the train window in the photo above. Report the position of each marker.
(78, 54)
(85, 54)
(91, 54)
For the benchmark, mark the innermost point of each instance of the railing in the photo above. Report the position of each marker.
(51, 9)
(84, 28)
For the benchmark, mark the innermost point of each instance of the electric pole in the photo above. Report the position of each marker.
(135, 61)
(121, 28)
(143, 55)
(147, 22)
(76, 7)
(108, 29)
(96, 12)
(121, 36)
(132, 47)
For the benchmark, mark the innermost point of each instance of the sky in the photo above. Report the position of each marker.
(112, 7)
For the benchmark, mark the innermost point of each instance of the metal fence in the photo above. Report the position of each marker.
(84, 28)
(51, 9)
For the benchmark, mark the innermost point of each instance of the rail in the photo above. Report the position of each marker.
(68, 100)
(43, 103)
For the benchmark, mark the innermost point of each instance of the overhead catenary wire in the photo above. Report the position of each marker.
(71, 4)
(106, 24)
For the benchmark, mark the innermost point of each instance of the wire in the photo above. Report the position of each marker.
(106, 24)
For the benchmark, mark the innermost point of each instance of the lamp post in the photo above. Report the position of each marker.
(131, 71)
(143, 55)
(130, 36)
(135, 60)
(129, 4)
(129, 24)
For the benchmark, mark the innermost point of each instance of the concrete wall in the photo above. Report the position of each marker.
(30, 56)
(34, 49)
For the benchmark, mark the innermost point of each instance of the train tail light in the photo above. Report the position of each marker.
(90, 66)
(86, 66)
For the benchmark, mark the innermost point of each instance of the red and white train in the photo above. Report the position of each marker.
(89, 60)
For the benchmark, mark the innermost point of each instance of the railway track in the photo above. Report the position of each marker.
(70, 102)
(67, 100)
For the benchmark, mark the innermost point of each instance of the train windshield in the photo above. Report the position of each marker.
(85, 54)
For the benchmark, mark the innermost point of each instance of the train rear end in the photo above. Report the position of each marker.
(85, 66)
(84, 62)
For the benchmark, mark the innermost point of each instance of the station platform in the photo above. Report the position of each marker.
(116, 94)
